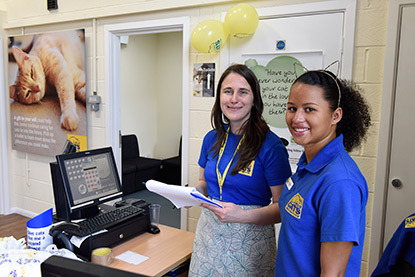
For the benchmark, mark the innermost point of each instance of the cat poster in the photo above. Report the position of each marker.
(47, 87)
(204, 79)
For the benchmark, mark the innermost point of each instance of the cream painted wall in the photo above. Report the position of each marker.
(151, 92)
(139, 104)
(368, 63)
(29, 174)
(169, 94)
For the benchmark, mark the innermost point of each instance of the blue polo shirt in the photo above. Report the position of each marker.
(323, 201)
(249, 187)
(401, 247)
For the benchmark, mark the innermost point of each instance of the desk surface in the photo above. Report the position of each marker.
(166, 250)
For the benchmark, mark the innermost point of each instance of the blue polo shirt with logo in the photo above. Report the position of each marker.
(251, 186)
(323, 201)
(400, 248)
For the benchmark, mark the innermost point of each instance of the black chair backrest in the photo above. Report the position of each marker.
(130, 147)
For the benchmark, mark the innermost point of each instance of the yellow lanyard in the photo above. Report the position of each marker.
(221, 178)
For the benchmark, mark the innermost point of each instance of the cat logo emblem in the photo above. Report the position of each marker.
(410, 222)
(248, 170)
(295, 206)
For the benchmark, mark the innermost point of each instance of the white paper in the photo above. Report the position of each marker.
(132, 257)
(77, 241)
(178, 195)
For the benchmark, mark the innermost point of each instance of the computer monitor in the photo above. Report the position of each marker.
(84, 180)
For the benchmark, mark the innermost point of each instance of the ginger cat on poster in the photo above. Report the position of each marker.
(197, 82)
(55, 63)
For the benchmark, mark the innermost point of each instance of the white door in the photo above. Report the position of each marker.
(325, 27)
(315, 34)
(400, 187)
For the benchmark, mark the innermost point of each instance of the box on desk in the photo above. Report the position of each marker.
(114, 235)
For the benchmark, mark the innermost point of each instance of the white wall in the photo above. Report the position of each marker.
(151, 92)
(138, 91)
(169, 94)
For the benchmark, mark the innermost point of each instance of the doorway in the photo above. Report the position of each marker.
(400, 188)
(394, 189)
(156, 32)
(151, 107)
(151, 92)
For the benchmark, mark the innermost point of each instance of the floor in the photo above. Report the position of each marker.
(169, 215)
(13, 225)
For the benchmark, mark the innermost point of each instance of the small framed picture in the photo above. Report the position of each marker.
(204, 79)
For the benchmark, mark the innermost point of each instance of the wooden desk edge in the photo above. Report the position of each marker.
(173, 266)
(144, 244)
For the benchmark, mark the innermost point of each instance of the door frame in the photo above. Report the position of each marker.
(4, 172)
(112, 34)
(385, 130)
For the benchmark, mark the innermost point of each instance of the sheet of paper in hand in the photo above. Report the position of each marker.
(178, 195)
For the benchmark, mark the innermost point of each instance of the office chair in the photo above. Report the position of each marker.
(136, 169)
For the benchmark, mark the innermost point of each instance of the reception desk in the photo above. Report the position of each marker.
(165, 250)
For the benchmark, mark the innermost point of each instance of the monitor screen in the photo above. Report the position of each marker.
(89, 178)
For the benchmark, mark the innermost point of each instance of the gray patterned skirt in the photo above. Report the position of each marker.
(232, 249)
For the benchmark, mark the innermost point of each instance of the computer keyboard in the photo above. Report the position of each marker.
(106, 220)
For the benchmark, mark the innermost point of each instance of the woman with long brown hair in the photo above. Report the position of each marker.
(242, 166)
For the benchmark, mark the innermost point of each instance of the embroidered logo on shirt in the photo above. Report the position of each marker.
(410, 222)
(295, 206)
(248, 170)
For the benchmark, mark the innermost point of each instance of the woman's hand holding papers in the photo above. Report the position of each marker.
(201, 185)
(230, 213)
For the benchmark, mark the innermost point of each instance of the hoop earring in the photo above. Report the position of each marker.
(224, 119)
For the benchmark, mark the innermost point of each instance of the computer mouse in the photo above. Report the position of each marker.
(153, 229)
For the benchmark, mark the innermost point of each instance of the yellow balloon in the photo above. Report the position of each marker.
(209, 36)
(241, 20)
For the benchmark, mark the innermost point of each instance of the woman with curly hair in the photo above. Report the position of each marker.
(323, 204)
(243, 166)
